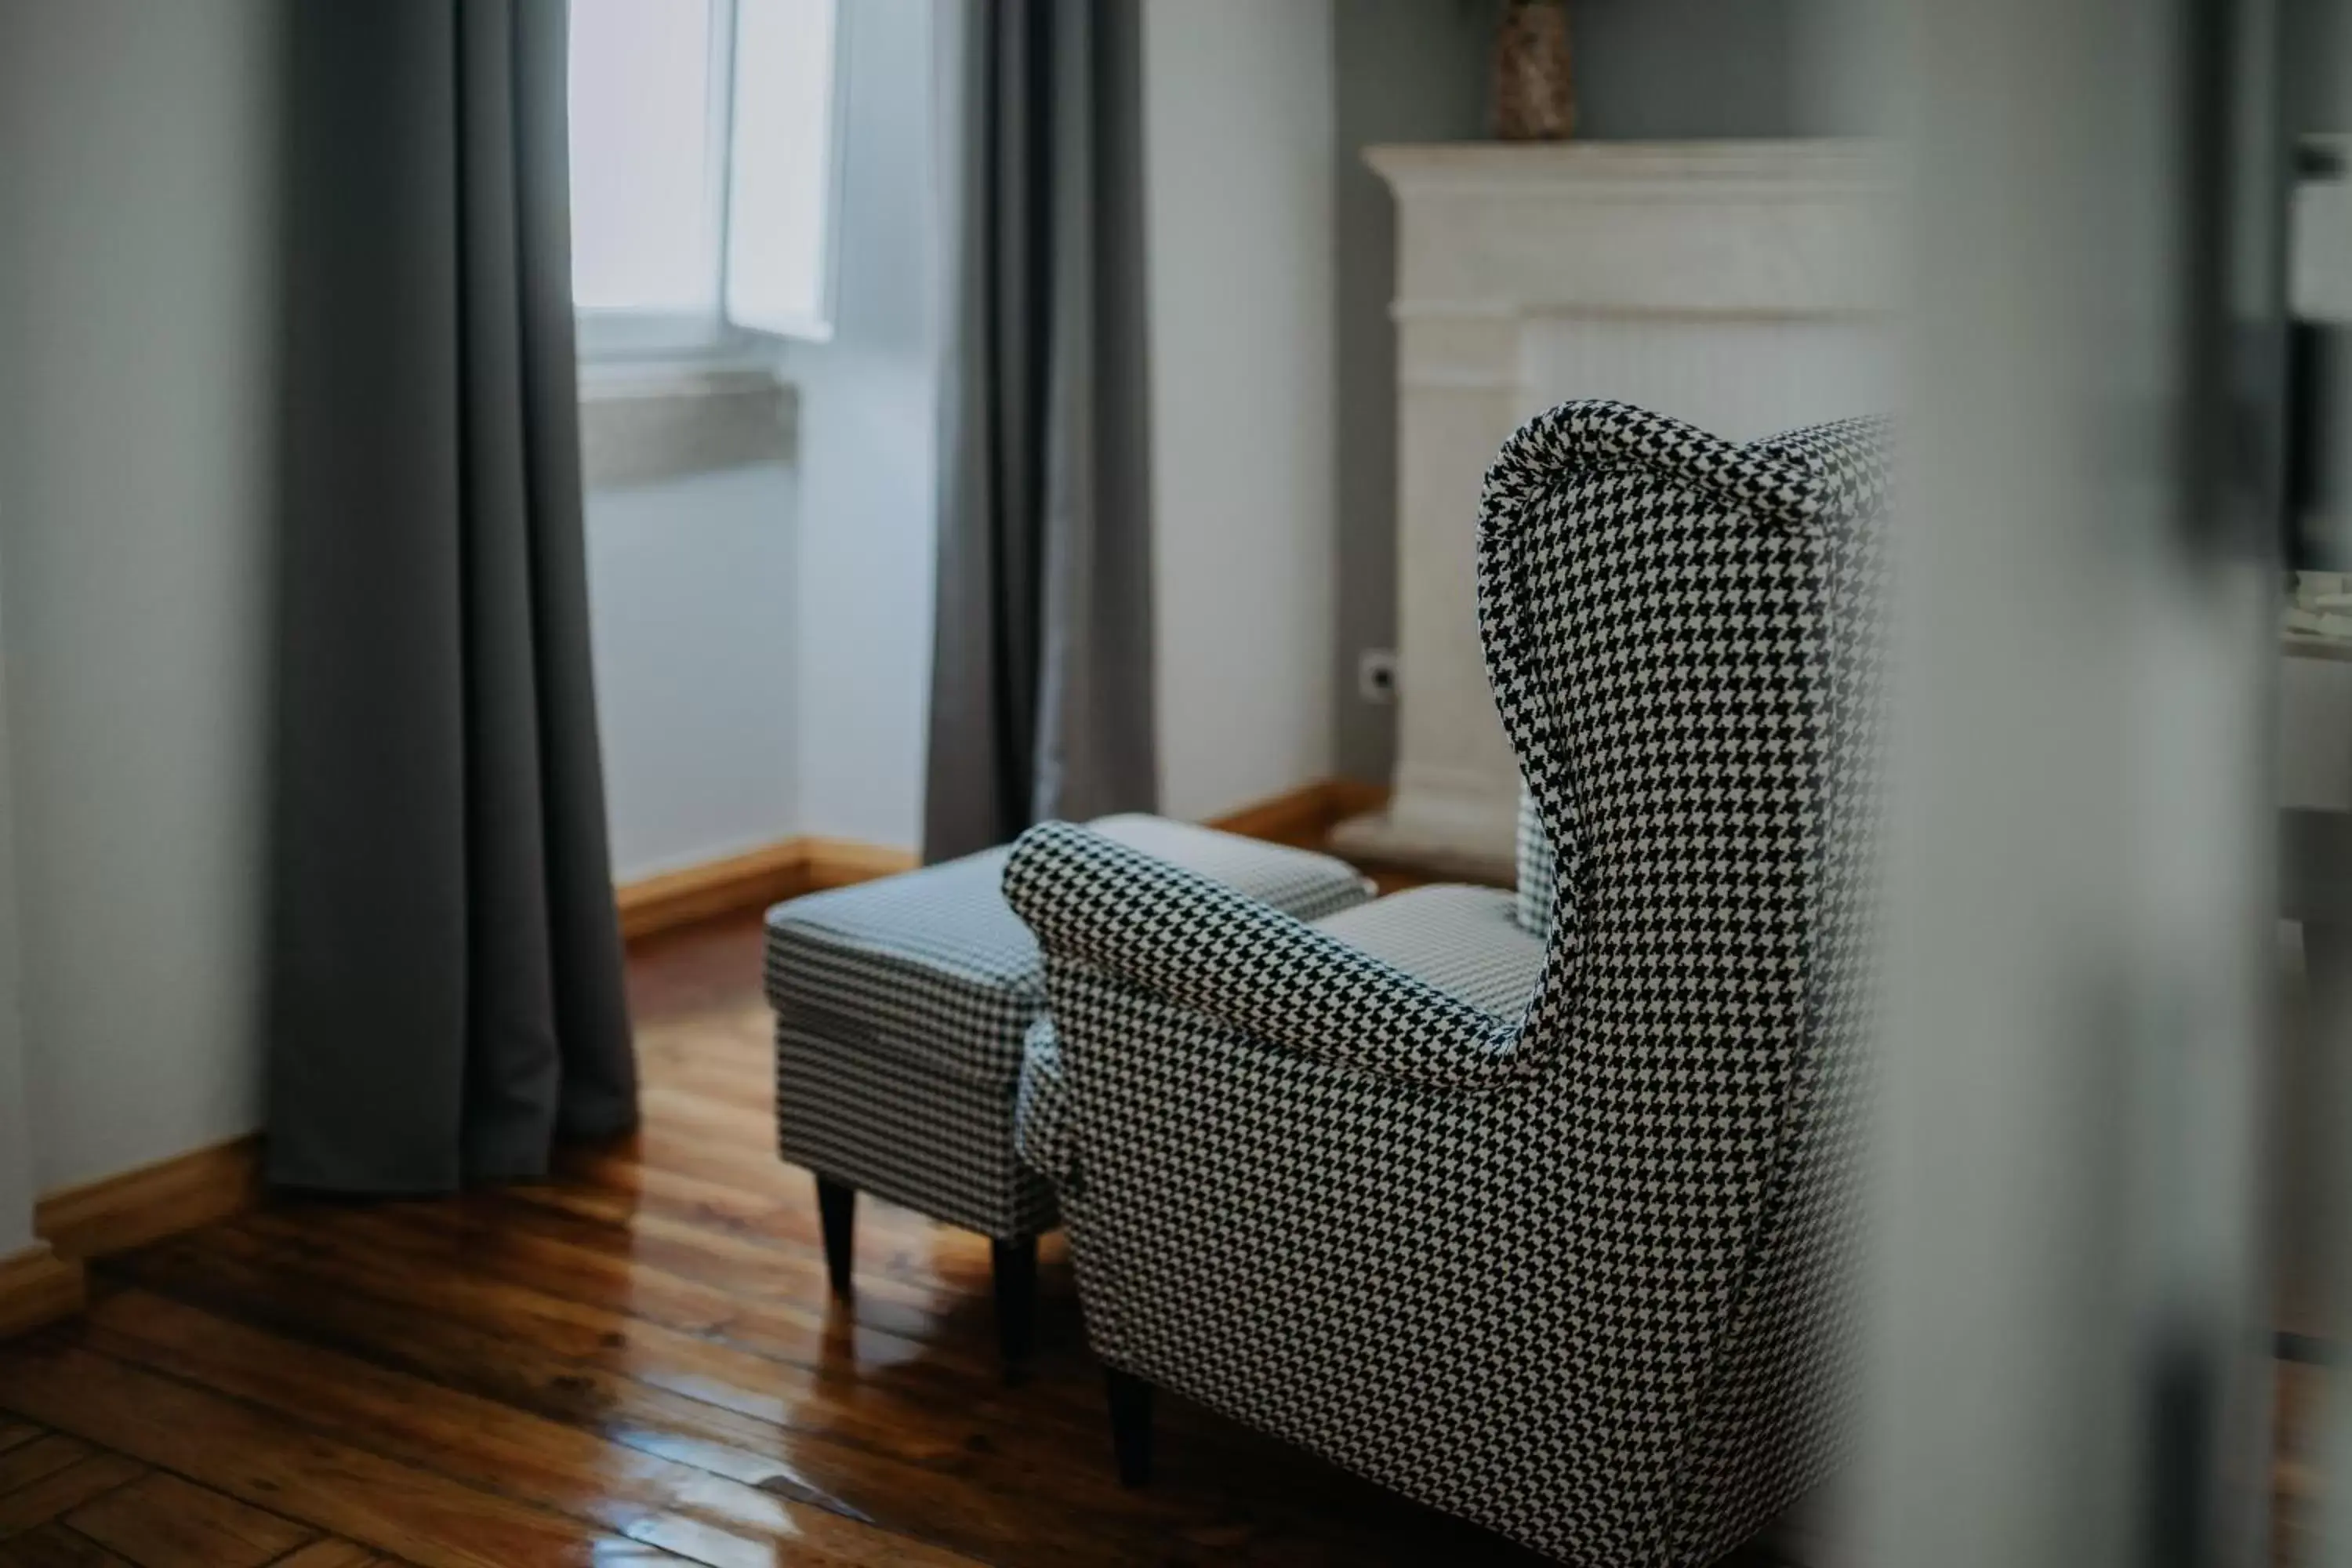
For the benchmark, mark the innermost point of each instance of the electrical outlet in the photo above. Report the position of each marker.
(1376, 674)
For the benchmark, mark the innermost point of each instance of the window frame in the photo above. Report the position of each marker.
(622, 335)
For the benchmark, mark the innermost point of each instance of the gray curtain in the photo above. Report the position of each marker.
(1041, 688)
(445, 996)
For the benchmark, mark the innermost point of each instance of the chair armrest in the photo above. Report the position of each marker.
(1239, 963)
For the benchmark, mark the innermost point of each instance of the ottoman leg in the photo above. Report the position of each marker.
(1014, 1264)
(837, 1209)
(1130, 1425)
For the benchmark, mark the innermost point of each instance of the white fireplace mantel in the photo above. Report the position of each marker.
(1738, 285)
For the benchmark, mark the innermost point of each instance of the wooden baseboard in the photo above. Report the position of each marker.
(1305, 815)
(761, 877)
(38, 1288)
(749, 880)
(844, 862)
(152, 1202)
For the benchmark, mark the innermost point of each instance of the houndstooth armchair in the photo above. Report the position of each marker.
(1566, 1255)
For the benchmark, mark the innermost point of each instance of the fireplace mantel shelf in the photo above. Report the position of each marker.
(1618, 171)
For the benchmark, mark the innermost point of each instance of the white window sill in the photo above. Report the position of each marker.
(643, 421)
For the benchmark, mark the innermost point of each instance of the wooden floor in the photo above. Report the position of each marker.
(638, 1363)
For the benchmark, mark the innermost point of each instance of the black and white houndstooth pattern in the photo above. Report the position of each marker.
(1572, 1267)
(1538, 868)
(901, 1004)
(898, 1128)
(1465, 941)
(1040, 1117)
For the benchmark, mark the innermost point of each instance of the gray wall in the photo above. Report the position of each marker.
(2319, 82)
(1237, 136)
(1416, 71)
(18, 1187)
(1675, 69)
(138, 147)
(1406, 70)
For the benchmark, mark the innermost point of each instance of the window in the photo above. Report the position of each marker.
(705, 137)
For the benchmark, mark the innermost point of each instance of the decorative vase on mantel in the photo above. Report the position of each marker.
(1535, 93)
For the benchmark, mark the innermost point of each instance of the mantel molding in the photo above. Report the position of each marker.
(1494, 231)
(1634, 171)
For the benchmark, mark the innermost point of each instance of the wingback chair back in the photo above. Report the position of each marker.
(1574, 1270)
(1681, 634)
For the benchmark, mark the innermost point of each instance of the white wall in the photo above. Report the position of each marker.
(692, 594)
(869, 448)
(1238, 138)
(15, 1154)
(17, 1188)
(136, 236)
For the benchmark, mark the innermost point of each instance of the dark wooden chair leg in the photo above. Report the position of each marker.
(1014, 1263)
(836, 1207)
(1130, 1425)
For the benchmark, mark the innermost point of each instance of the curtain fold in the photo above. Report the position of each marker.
(445, 992)
(1042, 679)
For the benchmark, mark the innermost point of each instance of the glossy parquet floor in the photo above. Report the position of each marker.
(637, 1364)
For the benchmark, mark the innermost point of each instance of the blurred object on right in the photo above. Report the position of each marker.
(2110, 455)
(2315, 1461)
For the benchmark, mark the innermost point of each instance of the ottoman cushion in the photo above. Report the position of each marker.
(1466, 942)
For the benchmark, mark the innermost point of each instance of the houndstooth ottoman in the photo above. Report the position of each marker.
(900, 1009)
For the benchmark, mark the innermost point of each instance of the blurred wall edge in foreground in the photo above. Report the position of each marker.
(2072, 1307)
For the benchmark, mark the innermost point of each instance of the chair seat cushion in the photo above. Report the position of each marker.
(934, 965)
(1466, 942)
